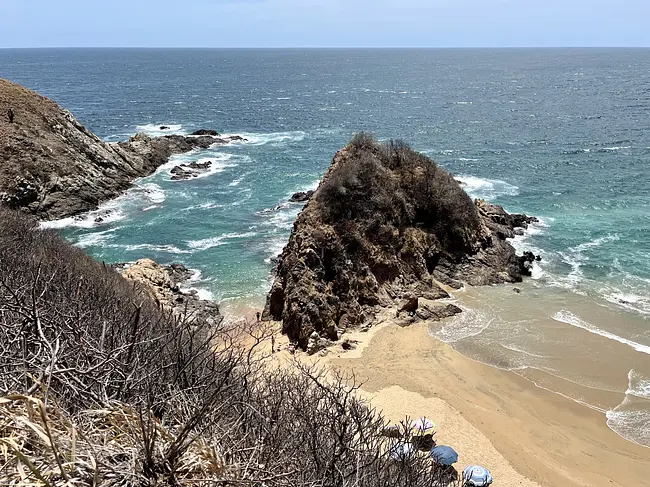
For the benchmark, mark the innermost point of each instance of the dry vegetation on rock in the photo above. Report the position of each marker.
(386, 224)
(102, 387)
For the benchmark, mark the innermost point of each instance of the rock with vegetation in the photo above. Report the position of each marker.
(386, 226)
(53, 167)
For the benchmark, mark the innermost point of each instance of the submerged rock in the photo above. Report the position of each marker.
(386, 224)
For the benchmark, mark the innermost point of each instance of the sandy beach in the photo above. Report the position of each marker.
(525, 435)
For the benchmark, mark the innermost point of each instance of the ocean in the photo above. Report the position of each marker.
(562, 134)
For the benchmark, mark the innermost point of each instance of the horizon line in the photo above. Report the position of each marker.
(326, 47)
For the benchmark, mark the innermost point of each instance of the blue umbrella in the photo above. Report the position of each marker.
(477, 476)
(401, 451)
(445, 455)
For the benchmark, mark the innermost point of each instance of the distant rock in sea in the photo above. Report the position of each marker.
(385, 228)
(53, 167)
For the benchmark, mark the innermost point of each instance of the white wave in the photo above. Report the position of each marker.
(189, 285)
(274, 249)
(631, 418)
(238, 181)
(155, 130)
(273, 138)
(170, 249)
(486, 188)
(152, 207)
(96, 239)
(469, 323)
(105, 214)
(573, 320)
(612, 149)
(467, 159)
(632, 302)
(150, 191)
(575, 257)
(514, 348)
(218, 164)
(208, 243)
(463, 103)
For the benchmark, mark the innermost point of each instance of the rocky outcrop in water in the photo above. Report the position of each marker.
(53, 167)
(165, 284)
(385, 228)
(301, 196)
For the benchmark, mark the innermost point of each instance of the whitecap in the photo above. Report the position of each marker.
(569, 318)
(154, 130)
(467, 159)
(208, 243)
(190, 285)
(273, 138)
(487, 189)
(630, 301)
(169, 249)
(96, 239)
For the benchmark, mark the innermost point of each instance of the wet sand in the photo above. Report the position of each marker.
(492, 417)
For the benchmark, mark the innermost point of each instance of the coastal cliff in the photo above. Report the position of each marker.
(53, 167)
(387, 227)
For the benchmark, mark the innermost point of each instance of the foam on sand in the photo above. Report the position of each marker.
(631, 418)
(573, 320)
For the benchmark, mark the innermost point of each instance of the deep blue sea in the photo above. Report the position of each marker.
(563, 134)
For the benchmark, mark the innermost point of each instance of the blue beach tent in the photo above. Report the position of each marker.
(444, 455)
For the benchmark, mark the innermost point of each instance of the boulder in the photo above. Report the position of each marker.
(164, 127)
(301, 196)
(211, 133)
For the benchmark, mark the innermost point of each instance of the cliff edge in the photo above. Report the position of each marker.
(386, 226)
(53, 167)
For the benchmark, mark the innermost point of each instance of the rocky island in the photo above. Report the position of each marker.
(387, 227)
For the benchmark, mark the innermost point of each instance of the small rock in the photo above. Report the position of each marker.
(164, 127)
(301, 196)
(516, 289)
(212, 133)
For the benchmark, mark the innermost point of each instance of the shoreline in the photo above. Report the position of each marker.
(525, 435)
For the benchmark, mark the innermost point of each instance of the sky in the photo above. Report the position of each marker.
(324, 23)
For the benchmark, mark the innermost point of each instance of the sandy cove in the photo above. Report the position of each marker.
(492, 417)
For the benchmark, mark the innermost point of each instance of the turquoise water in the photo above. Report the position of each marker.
(561, 134)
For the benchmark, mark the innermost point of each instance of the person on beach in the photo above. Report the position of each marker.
(258, 316)
(272, 343)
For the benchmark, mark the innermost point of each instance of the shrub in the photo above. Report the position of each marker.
(105, 388)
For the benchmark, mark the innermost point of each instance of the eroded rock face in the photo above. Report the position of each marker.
(53, 167)
(386, 227)
(165, 282)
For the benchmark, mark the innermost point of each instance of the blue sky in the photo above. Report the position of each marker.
(323, 23)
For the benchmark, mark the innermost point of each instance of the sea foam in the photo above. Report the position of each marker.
(569, 318)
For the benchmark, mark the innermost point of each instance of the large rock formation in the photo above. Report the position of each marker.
(53, 167)
(386, 226)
